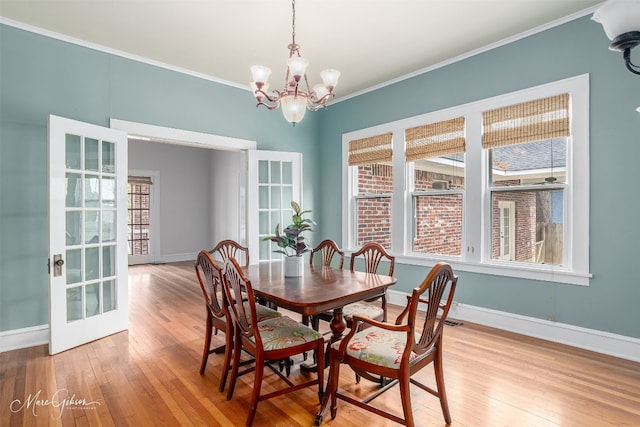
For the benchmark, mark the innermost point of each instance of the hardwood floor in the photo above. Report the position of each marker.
(149, 376)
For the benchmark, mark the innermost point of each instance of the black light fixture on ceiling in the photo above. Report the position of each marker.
(294, 98)
(621, 22)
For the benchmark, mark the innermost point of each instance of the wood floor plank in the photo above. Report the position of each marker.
(149, 375)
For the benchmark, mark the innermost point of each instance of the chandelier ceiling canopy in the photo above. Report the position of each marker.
(296, 97)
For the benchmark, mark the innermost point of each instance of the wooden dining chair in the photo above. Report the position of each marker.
(325, 252)
(397, 351)
(209, 275)
(226, 249)
(270, 340)
(371, 253)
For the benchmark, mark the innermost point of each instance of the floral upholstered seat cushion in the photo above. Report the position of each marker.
(372, 311)
(263, 312)
(378, 346)
(284, 332)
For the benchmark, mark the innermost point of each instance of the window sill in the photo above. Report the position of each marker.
(521, 271)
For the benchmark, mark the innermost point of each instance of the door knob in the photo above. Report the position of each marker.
(57, 265)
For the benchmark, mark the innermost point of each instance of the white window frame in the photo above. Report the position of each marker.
(476, 254)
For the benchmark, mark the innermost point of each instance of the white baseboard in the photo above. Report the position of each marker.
(177, 257)
(23, 338)
(575, 336)
(588, 339)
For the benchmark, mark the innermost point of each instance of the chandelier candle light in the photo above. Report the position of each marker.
(294, 100)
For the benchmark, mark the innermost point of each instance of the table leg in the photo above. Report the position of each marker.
(338, 326)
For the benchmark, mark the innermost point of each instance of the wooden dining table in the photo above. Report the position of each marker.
(319, 289)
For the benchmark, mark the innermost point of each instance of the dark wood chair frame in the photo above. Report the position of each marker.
(209, 275)
(230, 249)
(327, 249)
(372, 253)
(439, 284)
(247, 338)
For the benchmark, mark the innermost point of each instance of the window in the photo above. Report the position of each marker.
(435, 162)
(139, 190)
(527, 145)
(371, 158)
(498, 186)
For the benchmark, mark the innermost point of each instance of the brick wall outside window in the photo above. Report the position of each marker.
(438, 228)
(374, 214)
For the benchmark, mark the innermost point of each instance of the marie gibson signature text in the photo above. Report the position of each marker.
(59, 399)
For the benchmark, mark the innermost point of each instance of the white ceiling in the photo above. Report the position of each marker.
(370, 41)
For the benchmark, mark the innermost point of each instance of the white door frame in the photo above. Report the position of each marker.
(162, 134)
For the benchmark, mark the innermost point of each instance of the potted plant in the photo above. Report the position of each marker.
(292, 242)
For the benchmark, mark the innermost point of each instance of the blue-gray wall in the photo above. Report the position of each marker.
(610, 303)
(40, 76)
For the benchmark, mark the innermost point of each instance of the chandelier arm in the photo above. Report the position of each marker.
(635, 69)
(322, 101)
(266, 95)
(269, 107)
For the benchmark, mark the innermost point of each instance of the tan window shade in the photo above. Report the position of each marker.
(139, 180)
(366, 151)
(435, 139)
(536, 120)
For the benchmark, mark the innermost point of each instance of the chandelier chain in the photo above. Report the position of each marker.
(293, 21)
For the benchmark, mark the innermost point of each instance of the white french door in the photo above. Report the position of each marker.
(274, 179)
(507, 211)
(87, 233)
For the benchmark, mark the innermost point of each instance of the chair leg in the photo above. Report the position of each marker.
(442, 394)
(255, 394)
(335, 365)
(405, 395)
(332, 387)
(305, 321)
(207, 343)
(319, 357)
(237, 350)
(228, 351)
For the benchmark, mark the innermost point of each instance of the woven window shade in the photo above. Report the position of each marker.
(366, 151)
(536, 120)
(435, 139)
(139, 180)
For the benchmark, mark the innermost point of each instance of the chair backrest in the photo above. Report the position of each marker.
(439, 284)
(210, 278)
(239, 293)
(372, 253)
(327, 249)
(231, 249)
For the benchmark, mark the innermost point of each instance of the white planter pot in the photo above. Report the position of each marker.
(293, 266)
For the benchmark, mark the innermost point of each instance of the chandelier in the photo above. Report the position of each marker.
(294, 99)
(621, 22)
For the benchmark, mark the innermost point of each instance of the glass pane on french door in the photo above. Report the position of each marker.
(90, 212)
(275, 193)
